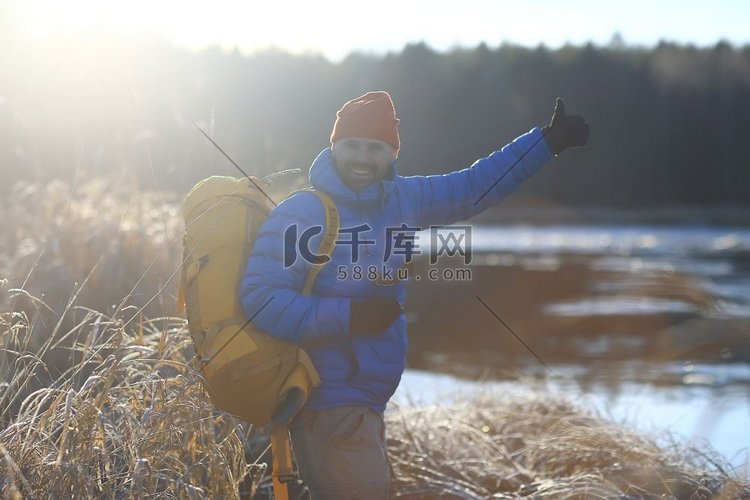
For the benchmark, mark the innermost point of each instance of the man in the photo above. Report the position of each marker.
(352, 325)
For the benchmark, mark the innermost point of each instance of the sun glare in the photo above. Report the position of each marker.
(192, 24)
(76, 18)
(337, 27)
(334, 30)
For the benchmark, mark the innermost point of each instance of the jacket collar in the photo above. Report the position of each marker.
(323, 176)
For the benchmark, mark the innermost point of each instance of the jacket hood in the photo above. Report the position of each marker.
(323, 176)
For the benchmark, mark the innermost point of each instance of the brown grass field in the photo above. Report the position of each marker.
(98, 397)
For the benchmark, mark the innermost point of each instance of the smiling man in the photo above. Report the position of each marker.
(361, 161)
(353, 324)
(365, 140)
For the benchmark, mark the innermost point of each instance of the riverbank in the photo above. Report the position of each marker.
(129, 418)
(541, 446)
(97, 400)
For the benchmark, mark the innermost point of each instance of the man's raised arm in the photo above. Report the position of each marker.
(444, 199)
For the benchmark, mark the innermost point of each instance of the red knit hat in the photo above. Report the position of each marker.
(371, 115)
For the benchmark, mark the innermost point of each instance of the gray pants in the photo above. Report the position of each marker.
(341, 453)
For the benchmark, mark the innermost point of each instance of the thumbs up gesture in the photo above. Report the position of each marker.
(565, 130)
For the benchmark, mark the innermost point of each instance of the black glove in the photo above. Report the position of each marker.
(373, 316)
(565, 131)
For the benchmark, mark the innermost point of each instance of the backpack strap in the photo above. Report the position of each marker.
(281, 450)
(333, 222)
(283, 470)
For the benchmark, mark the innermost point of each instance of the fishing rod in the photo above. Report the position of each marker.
(234, 163)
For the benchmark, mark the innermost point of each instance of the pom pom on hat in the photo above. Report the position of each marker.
(372, 116)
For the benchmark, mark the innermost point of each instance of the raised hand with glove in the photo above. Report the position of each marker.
(373, 316)
(565, 131)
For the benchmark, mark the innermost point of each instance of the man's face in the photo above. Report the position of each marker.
(361, 161)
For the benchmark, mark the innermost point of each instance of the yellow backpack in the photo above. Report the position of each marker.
(246, 372)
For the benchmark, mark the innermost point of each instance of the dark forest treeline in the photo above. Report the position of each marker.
(669, 124)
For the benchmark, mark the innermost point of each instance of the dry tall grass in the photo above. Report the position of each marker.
(122, 243)
(117, 411)
(131, 420)
(540, 445)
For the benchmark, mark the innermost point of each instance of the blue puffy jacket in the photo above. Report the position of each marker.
(364, 369)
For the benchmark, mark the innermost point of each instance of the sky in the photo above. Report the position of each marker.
(338, 27)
